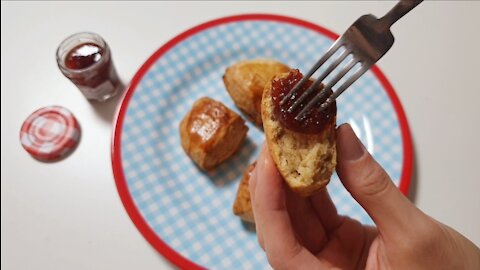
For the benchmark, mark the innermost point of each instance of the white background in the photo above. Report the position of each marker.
(68, 215)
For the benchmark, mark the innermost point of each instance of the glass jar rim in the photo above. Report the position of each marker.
(94, 38)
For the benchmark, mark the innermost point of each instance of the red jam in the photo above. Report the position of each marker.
(83, 56)
(86, 59)
(90, 68)
(315, 120)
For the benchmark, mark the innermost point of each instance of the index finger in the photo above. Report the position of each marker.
(281, 245)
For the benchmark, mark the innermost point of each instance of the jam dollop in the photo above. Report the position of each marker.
(83, 56)
(315, 120)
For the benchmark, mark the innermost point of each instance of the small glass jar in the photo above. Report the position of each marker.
(86, 60)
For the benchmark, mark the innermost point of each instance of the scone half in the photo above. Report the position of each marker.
(306, 161)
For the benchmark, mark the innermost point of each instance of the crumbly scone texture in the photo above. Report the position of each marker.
(245, 82)
(242, 206)
(306, 161)
(227, 128)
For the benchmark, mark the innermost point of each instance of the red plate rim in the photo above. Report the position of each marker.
(127, 200)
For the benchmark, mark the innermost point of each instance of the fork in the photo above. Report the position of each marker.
(366, 40)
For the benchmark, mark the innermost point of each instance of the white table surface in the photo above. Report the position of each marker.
(68, 215)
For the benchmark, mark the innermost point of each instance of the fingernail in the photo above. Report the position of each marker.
(348, 145)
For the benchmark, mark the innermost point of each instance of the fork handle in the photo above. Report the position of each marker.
(397, 12)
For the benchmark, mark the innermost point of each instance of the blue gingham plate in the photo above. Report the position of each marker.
(186, 214)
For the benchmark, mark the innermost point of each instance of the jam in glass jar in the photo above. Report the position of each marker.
(86, 60)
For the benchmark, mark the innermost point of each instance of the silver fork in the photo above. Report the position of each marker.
(367, 40)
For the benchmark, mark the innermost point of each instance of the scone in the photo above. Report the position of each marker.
(242, 206)
(303, 151)
(245, 82)
(210, 133)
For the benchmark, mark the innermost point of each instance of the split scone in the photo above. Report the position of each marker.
(303, 150)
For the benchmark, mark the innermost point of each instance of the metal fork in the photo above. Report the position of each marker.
(367, 40)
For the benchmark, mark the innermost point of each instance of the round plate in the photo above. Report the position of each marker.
(186, 214)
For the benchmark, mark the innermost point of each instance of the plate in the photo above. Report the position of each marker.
(186, 214)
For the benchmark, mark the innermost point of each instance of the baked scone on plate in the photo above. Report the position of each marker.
(303, 151)
(245, 82)
(210, 133)
(242, 206)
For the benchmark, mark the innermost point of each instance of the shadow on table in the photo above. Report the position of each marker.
(412, 192)
(106, 110)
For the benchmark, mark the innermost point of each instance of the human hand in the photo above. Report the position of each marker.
(308, 233)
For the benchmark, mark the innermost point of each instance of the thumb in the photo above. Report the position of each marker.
(370, 185)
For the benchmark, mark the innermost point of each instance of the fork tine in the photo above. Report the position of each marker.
(327, 87)
(319, 80)
(345, 85)
(335, 46)
(368, 38)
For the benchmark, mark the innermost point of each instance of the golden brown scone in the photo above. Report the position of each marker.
(245, 82)
(242, 206)
(306, 161)
(210, 133)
